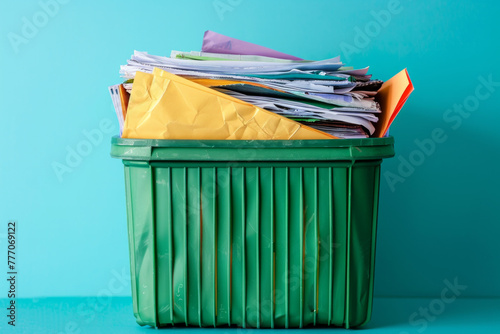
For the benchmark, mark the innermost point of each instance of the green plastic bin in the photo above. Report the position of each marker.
(264, 234)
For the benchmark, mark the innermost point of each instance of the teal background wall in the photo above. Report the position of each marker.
(439, 205)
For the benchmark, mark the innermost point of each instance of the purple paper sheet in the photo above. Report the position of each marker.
(217, 43)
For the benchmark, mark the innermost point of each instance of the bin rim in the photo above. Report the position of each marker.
(184, 149)
(227, 143)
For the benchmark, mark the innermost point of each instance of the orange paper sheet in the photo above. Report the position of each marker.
(392, 96)
(166, 106)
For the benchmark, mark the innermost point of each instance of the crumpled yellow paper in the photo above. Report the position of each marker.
(166, 106)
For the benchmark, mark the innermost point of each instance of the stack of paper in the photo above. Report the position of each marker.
(324, 95)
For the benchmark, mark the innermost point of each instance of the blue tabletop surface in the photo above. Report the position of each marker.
(114, 315)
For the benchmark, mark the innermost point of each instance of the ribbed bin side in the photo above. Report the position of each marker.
(261, 245)
(364, 190)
